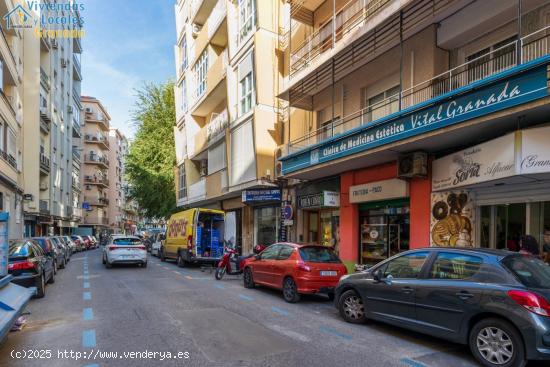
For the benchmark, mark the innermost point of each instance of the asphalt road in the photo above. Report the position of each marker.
(103, 315)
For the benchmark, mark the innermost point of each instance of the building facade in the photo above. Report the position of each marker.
(415, 123)
(117, 192)
(228, 113)
(95, 186)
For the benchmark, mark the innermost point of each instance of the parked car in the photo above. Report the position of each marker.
(66, 248)
(496, 301)
(125, 250)
(30, 266)
(50, 249)
(60, 251)
(79, 242)
(295, 269)
(71, 244)
(87, 242)
(157, 243)
(93, 242)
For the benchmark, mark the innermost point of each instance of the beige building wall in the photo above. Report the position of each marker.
(116, 192)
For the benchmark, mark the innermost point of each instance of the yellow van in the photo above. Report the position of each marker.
(194, 236)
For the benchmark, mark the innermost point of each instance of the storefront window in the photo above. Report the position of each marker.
(266, 223)
(324, 228)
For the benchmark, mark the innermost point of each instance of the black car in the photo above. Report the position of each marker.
(50, 249)
(496, 301)
(59, 251)
(29, 265)
(65, 247)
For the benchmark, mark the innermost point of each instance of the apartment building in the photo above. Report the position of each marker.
(117, 192)
(95, 169)
(52, 79)
(11, 124)
(227, 112)
(415, 123)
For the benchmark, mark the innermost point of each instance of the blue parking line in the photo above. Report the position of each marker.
(86, 296)
(91, 365)
(328, 330)
(87, 314)
(279, 311)
(86, 284)
(86, 277)
(219, 286)
(246, 298)
(412, 363)
(88, 339)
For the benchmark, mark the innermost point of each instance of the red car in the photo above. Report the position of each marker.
(295, 269)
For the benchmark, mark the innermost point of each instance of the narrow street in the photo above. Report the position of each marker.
(163, 308)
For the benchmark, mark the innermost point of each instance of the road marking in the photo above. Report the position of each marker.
(279, 311)
(86, 296)
(328, 330)
(289, 333)
(86, 273)
(165, 267)
(87, 314)
(188, 277)
(219, 286)
(413, 363)
(91, 365)
(88, 339)
(246, 298)
(86, 284)
(86, 277)
(177, 272)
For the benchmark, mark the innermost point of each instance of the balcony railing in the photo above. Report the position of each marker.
(44, 78)
(8, 158)
(96, 201)
(99, 139)
(95, 180)
(528, 48)
(217, 125)
(96, 159)
(44, 162)
(76, 67)
(216, 17)
(77, 213)
(353, 15)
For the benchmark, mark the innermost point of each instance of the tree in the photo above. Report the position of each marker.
(151, 157)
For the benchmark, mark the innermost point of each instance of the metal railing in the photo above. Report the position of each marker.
(96, 180)
(8, 158)
(96, 139)
(528, 48)
(94, 158)
(44, 78)
(44, 161)
(96, 201)
(217, 124)
(351, 16)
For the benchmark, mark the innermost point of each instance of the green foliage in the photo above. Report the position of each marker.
(151, 157)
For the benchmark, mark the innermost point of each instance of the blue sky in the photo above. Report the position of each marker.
(127, 42)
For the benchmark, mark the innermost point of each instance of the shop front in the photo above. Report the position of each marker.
(321, 218)
(493, 193)
(266, 214)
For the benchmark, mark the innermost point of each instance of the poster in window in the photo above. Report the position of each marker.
(452, 219)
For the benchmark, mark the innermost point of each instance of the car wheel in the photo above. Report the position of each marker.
(220, 272)
(108, 265)
(496, 342)
(351, 307)
(41, 287)
(62, 265)
(144, 265)
(179, 261)
(103, 259)
(161, 255)
(52, 279)
(248, 280)
(290, 291)
(55, 267)
(330, 297)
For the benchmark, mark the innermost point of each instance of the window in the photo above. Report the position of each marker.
(380, 105)
(200, 70)
(318, 254)
(246, 88)
(482, 63)
(266, 224)
(529, 270)
(184, 96)
(455, 266)
(246, 18)
(216, 158)
(2, 127)
(12, 143)
(181, 181)
(285, 253)
(406, 266)
(270, 253)
(184, 52)
(243, 159)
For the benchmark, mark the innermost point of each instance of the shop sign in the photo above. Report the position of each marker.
(86, 206)
(327, 199)
(260, 195)
(440, 112)
(287, 212)
(380, 190)
(484, 162)
(535, 150)
(452, 221)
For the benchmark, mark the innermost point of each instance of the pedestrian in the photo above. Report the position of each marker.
(546, 245)
(529, 245)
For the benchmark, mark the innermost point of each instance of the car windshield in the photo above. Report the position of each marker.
(127, 241)
(530, 271)
(19, 249)
(41, 242)
(319, 254)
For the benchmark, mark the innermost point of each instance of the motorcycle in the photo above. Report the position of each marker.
(231, 263)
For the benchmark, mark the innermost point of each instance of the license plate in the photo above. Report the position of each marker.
(328, 273)
(126, 257)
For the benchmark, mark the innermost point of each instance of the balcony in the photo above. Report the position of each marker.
(99, 139)
(77, 133)
(95, 220)
(7, 104)
(43, 207)
(217, 24)
(216, 184)
(197, 191)
(353, 15)
(217, 125)
(200, 142)
(45, 114)
(44, 126)
(76, 154)
(95, 180)
(44, 164)
(77, 73)
(216, 90)
(200, 9)
(77, 214)
(513, 74)
(75, 183)
(44, 79)
(97, 118)
(96, 160)
(7, 160)
(8, 58)
(77, 45)
(96, 201)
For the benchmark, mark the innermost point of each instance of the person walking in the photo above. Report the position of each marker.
(529, 245)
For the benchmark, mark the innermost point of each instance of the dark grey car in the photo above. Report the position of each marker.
(495, 301)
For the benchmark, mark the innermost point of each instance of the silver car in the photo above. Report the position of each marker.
(123, 249)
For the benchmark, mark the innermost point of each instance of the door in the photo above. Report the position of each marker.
(392, 298)
(451, 292)
(282, 265)
(263, 267)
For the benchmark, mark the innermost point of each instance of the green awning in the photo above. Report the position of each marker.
(401, 202)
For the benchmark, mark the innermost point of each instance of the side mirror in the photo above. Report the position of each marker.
(257, 257)
(377, 276)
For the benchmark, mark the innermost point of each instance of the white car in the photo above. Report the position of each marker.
(157, 244)
(125, 250)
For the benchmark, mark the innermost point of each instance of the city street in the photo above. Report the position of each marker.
(163, 308)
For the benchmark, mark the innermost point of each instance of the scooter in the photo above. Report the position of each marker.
(233, 264)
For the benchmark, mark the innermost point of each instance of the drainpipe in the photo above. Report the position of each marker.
(518, 45)
(401, 58)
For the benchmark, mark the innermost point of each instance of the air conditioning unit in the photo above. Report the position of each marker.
(412, 165)
(89, 110)
(70, 109)
(204, 168)
(43, 186)
(279, 152)
(64, 63)
(196, 30)
(54, 43)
